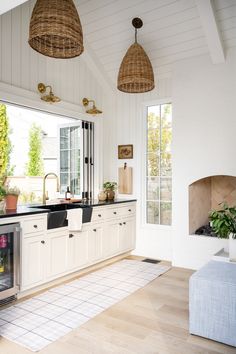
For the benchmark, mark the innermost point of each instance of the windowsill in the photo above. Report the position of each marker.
(156, 227)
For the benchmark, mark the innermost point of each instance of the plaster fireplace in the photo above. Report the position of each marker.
(206, 194)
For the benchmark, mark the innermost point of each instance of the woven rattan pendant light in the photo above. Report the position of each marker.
(55, 29)
(136, 73)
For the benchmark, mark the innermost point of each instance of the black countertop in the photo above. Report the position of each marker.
(28, 210)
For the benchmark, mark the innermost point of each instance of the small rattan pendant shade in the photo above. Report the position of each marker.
(136, 73)
(55, 29)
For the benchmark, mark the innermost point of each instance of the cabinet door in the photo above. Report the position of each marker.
(57, 253)
(110, 244)
(95, 244)
(33, 260)
(127, 235)
(77, 250)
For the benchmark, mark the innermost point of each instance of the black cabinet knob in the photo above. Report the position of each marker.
(43, 242)
(99, 215)
(129, 210)
(71, 235)
(114, 212)
(124, 223)
(120, 223)
(35, 226)
(94, 230)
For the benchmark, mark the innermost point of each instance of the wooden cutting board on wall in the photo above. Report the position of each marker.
(125, 182)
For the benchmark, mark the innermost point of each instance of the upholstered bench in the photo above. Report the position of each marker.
(212, 302)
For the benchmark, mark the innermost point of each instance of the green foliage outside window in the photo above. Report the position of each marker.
(5, 145)
(35, 164)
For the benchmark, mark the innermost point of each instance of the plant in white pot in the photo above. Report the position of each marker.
(223, 223)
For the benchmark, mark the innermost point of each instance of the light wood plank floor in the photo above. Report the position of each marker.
(152, 320)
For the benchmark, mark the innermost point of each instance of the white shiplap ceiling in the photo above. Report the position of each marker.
(172, 30)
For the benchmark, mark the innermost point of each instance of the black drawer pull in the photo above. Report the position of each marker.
(94, 230)
(71, 235)
(43, 242)
(99, 215)
(120, 224)
(124, 223)
(35, 226)
(129, 210)
(114, 212)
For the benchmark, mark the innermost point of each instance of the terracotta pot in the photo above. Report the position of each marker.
(110, 194)
(11, 202)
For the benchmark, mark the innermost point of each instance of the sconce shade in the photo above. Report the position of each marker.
(136, 73)
(55, 29)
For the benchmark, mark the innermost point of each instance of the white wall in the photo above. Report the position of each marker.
(204, 143)
(126, 125)
(204, 126)
(21, 69)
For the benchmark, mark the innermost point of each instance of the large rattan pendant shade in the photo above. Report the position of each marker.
(55, 29)
(136, 73)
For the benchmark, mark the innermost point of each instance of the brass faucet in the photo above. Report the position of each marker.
(44, 185)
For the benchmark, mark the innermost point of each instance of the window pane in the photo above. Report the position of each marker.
(153, 143)
(165, 213)
(166, 115)
(166, 137)
(64, 181)
(166, 164)
(153, 212)
(75, 138)
(153, 188)
(166, 189)
(75, 183)
(153, 117)
(64, 138)
(64, 161)
(153, 165)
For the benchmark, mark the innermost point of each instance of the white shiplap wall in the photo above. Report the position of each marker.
(126, 125)
(22, 67)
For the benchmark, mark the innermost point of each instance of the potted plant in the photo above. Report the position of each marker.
(223, 223)
(109, 188)
(2, 197)
(11, 198)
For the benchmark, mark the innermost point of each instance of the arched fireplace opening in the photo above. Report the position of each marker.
(206, 194)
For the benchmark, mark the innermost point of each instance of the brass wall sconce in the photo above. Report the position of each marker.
(92, 110)
(50, 97)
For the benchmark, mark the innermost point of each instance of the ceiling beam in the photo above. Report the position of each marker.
(7, 5)
(210, 28)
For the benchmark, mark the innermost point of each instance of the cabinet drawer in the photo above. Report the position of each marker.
(98, 215)
(127, 210)
(36, 225)
(113, 212)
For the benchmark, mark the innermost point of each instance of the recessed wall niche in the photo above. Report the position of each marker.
(206, 194)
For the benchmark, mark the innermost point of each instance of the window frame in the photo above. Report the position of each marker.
(145, 224)
(70, 125)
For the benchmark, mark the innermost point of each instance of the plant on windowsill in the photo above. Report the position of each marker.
(2, 197)
(109, 188)
(11, 198)
(223, 223)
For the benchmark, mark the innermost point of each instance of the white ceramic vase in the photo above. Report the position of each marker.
(232, 248)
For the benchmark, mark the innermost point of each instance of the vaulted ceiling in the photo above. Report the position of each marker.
(173, 30)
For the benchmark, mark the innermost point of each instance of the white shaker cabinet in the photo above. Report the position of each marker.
(77, 256)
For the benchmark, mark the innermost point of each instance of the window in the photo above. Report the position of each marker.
(38, 143)
(158, 165)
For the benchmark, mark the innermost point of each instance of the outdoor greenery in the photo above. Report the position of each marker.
(2, 193)
(223, 221)
(5, 145)
(35, 164)
(159, 169)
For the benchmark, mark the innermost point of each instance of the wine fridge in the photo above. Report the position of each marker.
(9, 261)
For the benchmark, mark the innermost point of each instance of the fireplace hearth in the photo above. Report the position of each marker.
(206, 194)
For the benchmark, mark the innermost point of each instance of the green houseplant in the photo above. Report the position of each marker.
(2, 197)
(109, 188)
(223, 223)
(12, 194)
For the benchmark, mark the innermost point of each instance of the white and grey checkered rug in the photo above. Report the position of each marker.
(37, 322)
